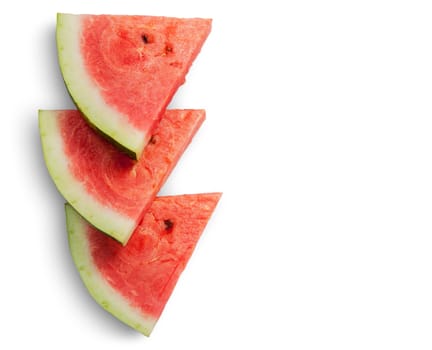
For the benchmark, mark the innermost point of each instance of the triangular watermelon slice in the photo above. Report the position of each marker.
(103, 184)
(134, 282)
(122, 71)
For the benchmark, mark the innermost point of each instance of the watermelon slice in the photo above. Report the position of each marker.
(134, 282)
(103, 184)
(122, 71)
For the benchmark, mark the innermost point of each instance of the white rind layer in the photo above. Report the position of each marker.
(105, 219)
(85, 92)
(98, 287)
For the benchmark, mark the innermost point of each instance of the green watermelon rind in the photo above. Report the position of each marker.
(98, 287)
(85, 93)
(105, 219)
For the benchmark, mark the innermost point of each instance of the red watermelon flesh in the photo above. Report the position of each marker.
(122, 71)
(135, 282)
(103, 184)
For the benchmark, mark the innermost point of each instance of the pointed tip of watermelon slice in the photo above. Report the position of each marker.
(96, 285)
(58, 164)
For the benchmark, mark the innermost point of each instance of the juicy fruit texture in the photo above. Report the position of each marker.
(135, 282)
(103, 184)
(122, 71)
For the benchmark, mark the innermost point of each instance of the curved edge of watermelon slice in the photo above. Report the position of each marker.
(97, 286)
(70, 188)
(86, 94)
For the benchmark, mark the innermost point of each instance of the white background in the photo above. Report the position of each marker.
(319, 133)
